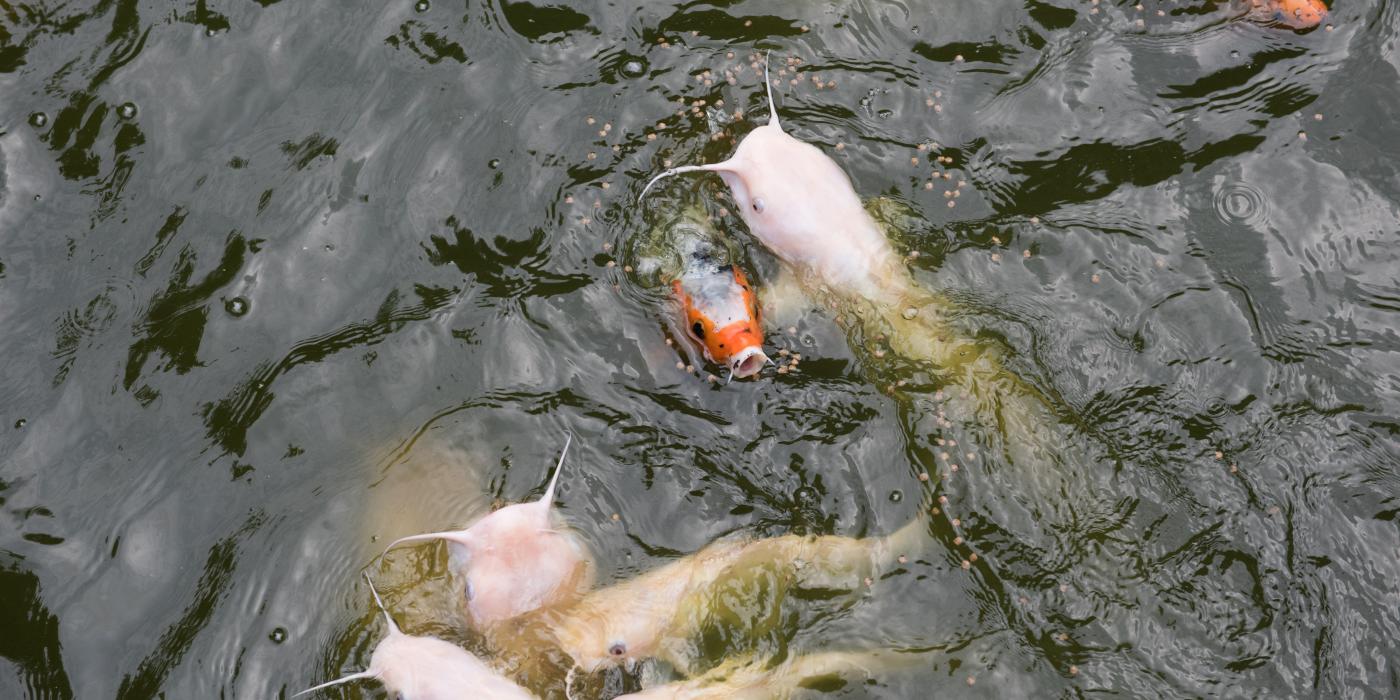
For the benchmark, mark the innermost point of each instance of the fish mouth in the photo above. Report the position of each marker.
(748, 362)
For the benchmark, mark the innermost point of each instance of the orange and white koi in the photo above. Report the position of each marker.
(1294, 14)
(717, 307)
(721, 313)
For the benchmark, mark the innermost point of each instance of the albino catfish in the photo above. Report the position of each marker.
(428, 668)
(515, 560)
(799, 203)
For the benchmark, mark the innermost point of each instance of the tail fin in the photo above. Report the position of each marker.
(548, 498)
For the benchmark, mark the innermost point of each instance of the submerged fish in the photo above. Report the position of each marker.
(717, 306)
(428, 668)
(1295, 14)
(515, 560)
(747, 680)
(660, 613)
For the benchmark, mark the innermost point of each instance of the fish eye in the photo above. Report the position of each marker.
(758, 205)
(617, 650)
(699, 330)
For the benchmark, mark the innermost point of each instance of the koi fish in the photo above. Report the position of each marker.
(1294, 14)
(515, 560)
(717, 306)
(428, 668)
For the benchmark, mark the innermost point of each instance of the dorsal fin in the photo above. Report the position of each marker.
(548, 498)
(772, 106)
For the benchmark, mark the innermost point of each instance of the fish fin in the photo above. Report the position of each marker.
(393, 628)
(772, 106)
(548, 498)
(462, 537)
(709, 167)
(338, 681)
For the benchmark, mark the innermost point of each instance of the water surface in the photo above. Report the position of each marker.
(280, 278)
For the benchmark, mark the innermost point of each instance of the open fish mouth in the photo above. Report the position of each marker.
(748, 362)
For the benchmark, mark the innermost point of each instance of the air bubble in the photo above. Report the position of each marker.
(896, 496)
(634, 68)
(278, 635)
(127, 110)
(38, 120)
(494, 163)
(20, 423)
(421, 6)
(236, 307)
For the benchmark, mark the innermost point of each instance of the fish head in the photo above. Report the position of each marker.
(1294, 14)
(602, 637)
(427, 668)
(800, 204)
(721, 315)
(517, 561)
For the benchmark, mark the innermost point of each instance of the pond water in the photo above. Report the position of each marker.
(281, 280)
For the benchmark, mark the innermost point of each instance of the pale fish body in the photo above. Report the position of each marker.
(800, 204)
(657, 614)
(428, 668)
(515, 560)
(757, 681)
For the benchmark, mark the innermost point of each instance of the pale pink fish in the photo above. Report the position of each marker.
(427, 668)
(515, 560)
(800, 204)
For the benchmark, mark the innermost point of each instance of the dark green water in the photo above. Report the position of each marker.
(280, 277)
